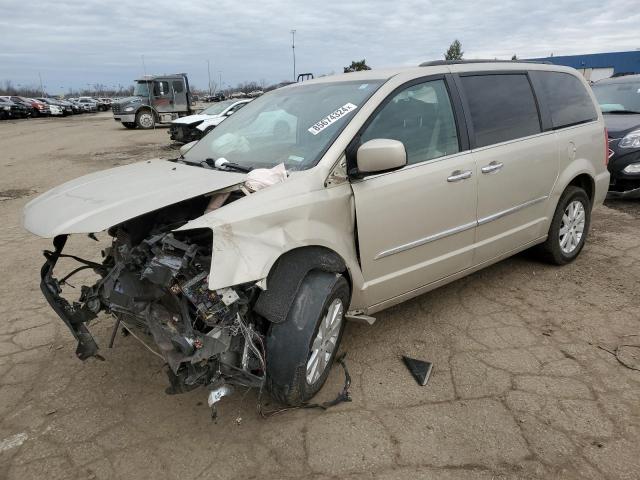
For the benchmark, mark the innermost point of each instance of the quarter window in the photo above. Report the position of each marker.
(502, 107)
(421, 118)
(566, 98)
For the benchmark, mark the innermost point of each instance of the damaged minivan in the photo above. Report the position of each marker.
(333, 199)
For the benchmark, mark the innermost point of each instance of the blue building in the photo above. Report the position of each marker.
(595, 66)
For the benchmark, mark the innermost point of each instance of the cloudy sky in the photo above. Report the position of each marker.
(72, 43)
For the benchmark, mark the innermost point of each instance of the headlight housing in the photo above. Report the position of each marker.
(630, 140)
(632, 168)
(129, 109)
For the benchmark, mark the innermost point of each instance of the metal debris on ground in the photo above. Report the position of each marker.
(420, 369)
(343, 396)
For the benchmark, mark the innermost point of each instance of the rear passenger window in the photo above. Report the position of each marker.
(421, 118)
(502, 107)
(566, 98)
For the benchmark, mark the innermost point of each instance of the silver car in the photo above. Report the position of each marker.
(328, 200)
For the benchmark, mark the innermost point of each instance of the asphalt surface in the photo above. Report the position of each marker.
(526, 383)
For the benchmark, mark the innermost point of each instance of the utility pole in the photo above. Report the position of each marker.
(209, 72)
(144, 67)
(293, 49)
(41, 87)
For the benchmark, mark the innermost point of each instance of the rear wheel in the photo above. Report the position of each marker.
(129, 124)
(145, 119)
(569, 227)
(301, 350)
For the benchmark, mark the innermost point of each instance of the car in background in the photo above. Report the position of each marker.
(88, 104)
(64, 109)
(193, 127)
(40, 109)
(12, 109)
(619, 99)
(27, 109)
(75, 108)
(101, 105)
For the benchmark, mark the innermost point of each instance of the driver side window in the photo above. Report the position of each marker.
(161, 88)
(421, 117)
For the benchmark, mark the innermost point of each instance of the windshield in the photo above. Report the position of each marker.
(614, 97)
(141, 89)
(292, 125)
(218, 108)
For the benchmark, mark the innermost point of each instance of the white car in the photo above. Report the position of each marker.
(193, 127)
(55, 109)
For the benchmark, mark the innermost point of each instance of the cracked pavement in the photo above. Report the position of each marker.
(520, 388)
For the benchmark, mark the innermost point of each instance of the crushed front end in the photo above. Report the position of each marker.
(154, 282)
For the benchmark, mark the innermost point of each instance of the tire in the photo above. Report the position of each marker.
(290, 344)
(145, 119)
(129, 124)
(556, 249)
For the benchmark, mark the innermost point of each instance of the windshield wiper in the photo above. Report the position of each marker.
(623, 111)
(224, 164)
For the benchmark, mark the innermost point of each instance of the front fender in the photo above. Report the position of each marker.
(250, 234)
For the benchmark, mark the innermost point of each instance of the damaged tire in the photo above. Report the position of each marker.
(301, 350)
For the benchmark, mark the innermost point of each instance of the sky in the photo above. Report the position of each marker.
(75, 43)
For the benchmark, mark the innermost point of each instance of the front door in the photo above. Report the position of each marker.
(180, 101)
(416, 225)
(517, 163)
(162, 96)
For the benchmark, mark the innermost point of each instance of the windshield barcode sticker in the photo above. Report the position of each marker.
(333, 117)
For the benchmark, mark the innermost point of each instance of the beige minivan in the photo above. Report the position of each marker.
(328, 200)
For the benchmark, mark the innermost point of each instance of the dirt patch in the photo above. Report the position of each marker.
(631, 207)
(15, 193)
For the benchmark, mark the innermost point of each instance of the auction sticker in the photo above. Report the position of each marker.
(333, 117)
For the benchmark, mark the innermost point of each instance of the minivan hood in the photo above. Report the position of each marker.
(97, 201)
(193, 119)
(619, 124)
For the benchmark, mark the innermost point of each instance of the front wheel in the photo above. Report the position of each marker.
(301, 350)
(145, 119)
(569, 227)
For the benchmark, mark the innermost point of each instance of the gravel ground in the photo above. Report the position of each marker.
(524, 382)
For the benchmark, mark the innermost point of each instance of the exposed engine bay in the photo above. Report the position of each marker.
(154, 282)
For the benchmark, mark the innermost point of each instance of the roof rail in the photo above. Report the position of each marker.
(434, 63)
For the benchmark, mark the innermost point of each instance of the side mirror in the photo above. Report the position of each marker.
(186, 147)
(230, 112)
(381, 155)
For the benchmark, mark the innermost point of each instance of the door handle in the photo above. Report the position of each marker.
(492, 167)
(458, 175)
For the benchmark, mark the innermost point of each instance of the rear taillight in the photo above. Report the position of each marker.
(607, 150)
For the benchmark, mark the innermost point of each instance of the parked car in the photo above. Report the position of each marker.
(64, 107)
(23, 109)
(240, 261)
(75, 108)
(619, 100)
(12, 109)
(56, 110)
(101, 105)
(193, 127)
(40, 109)
(88, 104)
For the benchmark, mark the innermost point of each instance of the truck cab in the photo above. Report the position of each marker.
(156, 99)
